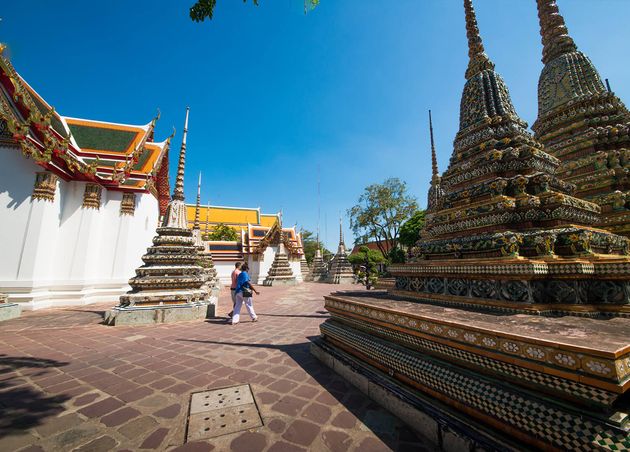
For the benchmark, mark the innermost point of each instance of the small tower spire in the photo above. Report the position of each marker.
(178, 193)
(340, 229)
(555, 36)
(196, 225)
(434, 164)
(479, 60)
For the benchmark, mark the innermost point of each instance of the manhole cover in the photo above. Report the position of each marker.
(222, 411)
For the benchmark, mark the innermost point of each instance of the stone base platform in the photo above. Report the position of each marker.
(148, 315)
(548, 382)
(280, 281)
(344, 279)
(9, 311)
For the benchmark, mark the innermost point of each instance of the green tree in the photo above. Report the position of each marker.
(222, 232)
(367, 259)
(310, 244)
(410, 231)
(204, 9)
(380, 213)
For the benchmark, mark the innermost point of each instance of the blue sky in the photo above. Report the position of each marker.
(274, 93)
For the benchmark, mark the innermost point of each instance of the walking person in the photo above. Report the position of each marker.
(234, 276)
(244, 294)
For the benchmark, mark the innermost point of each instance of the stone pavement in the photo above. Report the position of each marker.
(69, 383)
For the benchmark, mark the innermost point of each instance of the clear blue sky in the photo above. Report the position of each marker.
(274, 93)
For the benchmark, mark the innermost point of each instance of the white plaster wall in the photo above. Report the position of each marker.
(224, 271)
(296, 268)
(58, 253)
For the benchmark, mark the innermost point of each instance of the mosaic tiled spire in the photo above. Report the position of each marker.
(435, 191)
(178, 193)
(583, 124)
(478, 60)
(499, 179)
(555, 36)
(171, 274)
(341, 271)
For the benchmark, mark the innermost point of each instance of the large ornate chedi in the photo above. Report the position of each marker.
(319, 267)
(340, 267)
(582, 123)
(510, 326)
(170, 285)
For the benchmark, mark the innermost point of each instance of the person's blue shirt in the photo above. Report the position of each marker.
(242, 281)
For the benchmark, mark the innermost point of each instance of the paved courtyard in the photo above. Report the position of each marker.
(67, 382)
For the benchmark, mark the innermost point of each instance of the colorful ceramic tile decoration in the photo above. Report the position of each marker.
(514, 305)
(582, 123)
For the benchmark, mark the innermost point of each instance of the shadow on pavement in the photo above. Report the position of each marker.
(24, 407)
(375, 418)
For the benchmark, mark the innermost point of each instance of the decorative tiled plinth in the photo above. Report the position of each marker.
(583, 350)
(525, 415)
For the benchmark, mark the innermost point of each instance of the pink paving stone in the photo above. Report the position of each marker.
(285, 447)
(334, 440)
(327, 399)
(344, 420)
(169, 412)
(308, 392)
(120, 417)
(163, 383)
(194, 447)
(179, 389)
(276, 426)
(267, 397)
(249, 441)
(288, 405)
(317, 413)
(135, 394)
(154, 440)
(282, 386)
(301, 432)
(101, 408)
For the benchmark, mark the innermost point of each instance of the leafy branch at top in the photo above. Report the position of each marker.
(204, 9)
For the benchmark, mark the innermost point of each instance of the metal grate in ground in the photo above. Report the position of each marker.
(222, 411)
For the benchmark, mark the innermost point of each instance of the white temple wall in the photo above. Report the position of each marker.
(296, 268)
(224, 271)
(59, 253)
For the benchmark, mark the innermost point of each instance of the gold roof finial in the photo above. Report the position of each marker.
(478, 61)
(555, 36)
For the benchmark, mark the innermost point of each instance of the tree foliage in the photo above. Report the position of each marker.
(310, 244)
(222, 232)
(204, 9)
(380, 213)
(367, 257)
(410, 231)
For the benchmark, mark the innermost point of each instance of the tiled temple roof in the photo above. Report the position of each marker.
(113, 155)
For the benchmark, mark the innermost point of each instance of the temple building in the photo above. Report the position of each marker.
(508, 329)
(257, 242)
(583, 123)
(79, 199)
